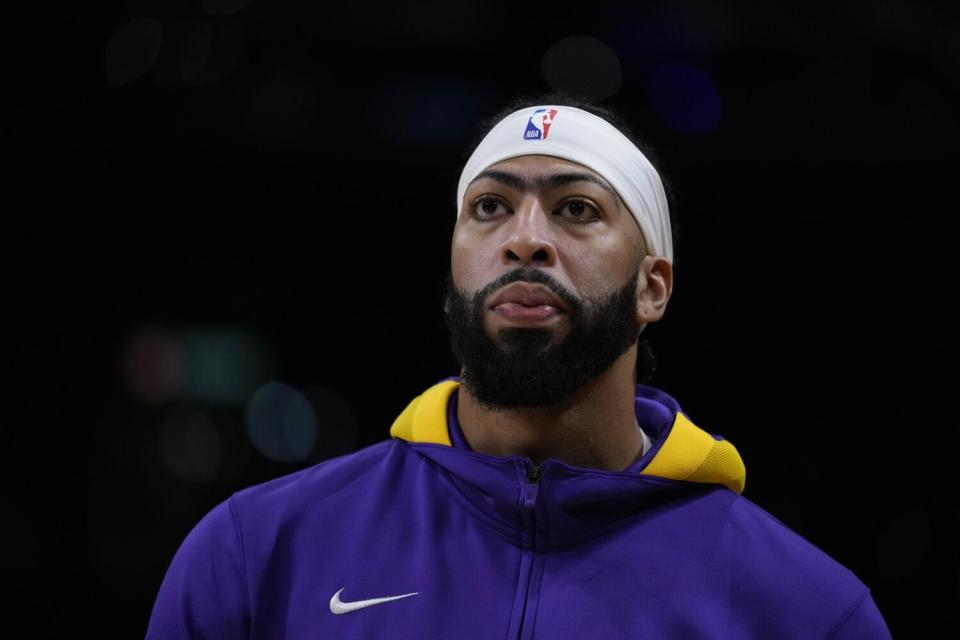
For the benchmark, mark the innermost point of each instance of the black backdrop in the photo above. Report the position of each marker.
(203, 198)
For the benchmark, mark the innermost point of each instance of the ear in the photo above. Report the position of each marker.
(654, 286)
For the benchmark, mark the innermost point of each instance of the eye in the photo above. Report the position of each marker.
(580, 210)
(485, 207)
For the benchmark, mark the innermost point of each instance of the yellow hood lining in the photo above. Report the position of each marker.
(689, 453)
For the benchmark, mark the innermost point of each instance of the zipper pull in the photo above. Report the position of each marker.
(533, 486)
(533, 474)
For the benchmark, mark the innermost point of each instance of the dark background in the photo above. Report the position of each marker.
(226, 226)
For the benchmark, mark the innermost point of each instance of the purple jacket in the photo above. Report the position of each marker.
(420, 537)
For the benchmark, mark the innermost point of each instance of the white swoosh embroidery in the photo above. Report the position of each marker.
(338, 607)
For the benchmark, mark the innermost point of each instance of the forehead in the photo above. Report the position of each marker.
(538, 165)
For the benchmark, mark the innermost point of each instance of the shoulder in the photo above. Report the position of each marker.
(335, 478)
(282, 500)
(773, 543)
(785, 575)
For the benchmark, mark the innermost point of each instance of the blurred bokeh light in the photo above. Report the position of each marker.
(199, 51)
(685, 97)
(281, 423)
(582, 65)
(428, 110)
(207, 366)
(154, 365)
(225, 365)
(336, 422)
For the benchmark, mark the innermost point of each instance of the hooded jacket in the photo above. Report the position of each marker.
(420, 537)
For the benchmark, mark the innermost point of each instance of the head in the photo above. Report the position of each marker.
(588, 279)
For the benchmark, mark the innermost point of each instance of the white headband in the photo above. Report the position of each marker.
(579, 136)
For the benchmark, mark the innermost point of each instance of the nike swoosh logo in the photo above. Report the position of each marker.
(337, 606)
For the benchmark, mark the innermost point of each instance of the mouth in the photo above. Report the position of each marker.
(527, 314)
(526, 302)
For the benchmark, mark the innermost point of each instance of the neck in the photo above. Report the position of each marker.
(596, 427)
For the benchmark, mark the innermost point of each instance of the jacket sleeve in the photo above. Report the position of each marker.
(863, 622)
(204, 592)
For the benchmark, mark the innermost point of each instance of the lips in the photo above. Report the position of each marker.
(526, 295)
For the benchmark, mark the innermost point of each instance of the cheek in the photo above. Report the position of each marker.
(465, 264)
(597, 266)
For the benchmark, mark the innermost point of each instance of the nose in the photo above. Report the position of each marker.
(528, 239)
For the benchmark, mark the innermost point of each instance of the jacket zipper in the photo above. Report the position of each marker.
(530, 498)
(534, 471)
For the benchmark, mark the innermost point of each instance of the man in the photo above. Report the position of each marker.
(543, 493)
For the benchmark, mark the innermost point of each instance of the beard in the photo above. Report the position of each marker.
(525, 367)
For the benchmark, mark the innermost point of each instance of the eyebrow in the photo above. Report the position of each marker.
(556, 180)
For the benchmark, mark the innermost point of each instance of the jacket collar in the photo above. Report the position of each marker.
(681, 451)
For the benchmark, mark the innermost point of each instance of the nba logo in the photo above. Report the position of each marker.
(539, 124)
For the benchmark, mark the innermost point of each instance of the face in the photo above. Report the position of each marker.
(583, 285)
